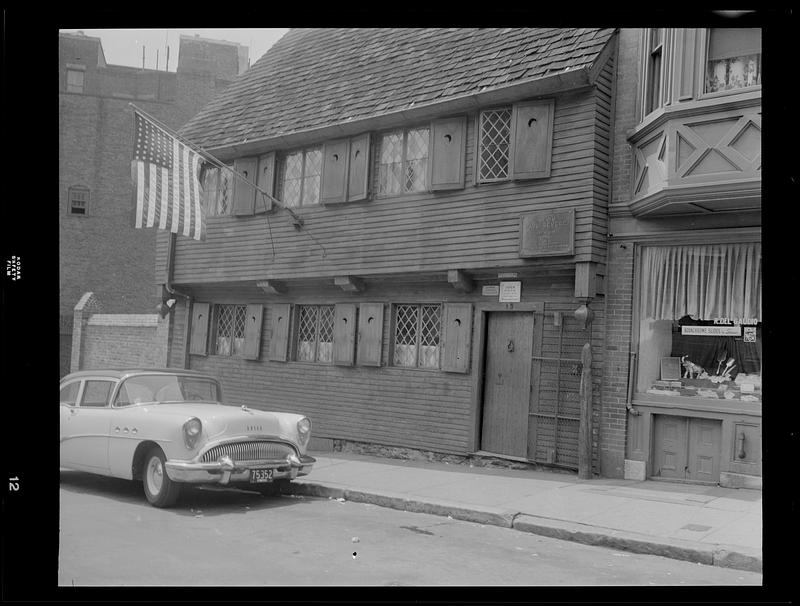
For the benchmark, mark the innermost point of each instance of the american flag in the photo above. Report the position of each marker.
(166, 176)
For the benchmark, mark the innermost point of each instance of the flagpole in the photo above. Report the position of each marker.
(217, 162)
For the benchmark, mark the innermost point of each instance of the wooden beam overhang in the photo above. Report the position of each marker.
(349, 283)
(273, 287)
(460, 280)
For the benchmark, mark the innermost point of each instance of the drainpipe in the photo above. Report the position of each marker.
(631, 366)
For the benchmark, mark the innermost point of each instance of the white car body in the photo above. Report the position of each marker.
(109, 435)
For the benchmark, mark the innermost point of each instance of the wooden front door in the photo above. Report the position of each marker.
(507, 383)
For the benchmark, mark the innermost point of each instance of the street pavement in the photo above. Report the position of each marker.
(698, 523)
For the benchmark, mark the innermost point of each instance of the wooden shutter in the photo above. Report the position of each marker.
(244, 195)
(448, 140)
(279, 340)
(358, 178)
(252, 332)
(457, 337)
(344, 334)
(200, 316)
(370, 334)
(334, 171)
(266, 181)
(531, 139)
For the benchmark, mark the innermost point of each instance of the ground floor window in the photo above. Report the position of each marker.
(416, 337)
(700, 328)
(230, 329)
(315, 333)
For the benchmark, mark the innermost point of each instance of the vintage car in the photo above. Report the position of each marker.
(168, 427)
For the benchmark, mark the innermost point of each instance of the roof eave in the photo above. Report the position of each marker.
(557, 83)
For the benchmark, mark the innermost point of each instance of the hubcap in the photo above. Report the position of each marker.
(155, 475)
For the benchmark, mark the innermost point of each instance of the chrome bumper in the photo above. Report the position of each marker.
(226, 471)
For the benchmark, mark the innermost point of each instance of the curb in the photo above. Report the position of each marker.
(711, 555)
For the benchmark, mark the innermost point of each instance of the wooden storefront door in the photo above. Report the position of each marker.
(687, 448)
(507, 383)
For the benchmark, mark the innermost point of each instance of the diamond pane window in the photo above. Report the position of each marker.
(391, 166)
(230, 329)
(299, 178)
(315, 333)
(403, 166)
(216, 194)
(416, 340)
(495, 144)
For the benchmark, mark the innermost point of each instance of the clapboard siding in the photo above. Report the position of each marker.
(416, 408)
(477, 226)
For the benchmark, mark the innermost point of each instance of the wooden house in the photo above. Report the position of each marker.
(443, 215)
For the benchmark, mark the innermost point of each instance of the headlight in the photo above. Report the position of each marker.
(304, 428)
(191, 432)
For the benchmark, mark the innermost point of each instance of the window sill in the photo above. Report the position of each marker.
(679, 403)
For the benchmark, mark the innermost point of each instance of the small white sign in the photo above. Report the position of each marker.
(491, 291)
(510, 292)
(712, 331)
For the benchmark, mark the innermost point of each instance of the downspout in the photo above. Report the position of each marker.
(631, 366)
(165, 308)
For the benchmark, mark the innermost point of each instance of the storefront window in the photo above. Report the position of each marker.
(700, 324)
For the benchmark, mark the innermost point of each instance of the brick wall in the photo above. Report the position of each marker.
(619, 271)
(103, 340)
(613, 416)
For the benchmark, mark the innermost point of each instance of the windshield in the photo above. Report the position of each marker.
(167, 388)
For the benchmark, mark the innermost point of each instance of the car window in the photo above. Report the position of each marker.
(69, 393)
(96, 393)
(132, 392)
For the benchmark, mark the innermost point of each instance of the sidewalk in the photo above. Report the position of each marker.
(706, 524)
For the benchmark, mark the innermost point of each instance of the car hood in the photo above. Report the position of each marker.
(222, 421)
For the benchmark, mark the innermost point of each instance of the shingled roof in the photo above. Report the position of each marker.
(313, 78)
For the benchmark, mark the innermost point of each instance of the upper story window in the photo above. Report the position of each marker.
(654, 94)
(299, 177)
(78, 201)
(734, 58)
(74, 81)
(495, 145)
(403, 164)
(217, 191)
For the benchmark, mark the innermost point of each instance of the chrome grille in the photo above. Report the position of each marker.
(249, 451)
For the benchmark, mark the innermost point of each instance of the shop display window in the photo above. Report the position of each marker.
(700, 328)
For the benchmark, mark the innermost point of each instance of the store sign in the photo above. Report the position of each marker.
(545, 233)
(510, 292)
(712, 331)
(491, 291)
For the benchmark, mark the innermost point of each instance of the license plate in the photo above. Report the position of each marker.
(260, 475)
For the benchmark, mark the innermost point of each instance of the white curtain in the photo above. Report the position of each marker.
(705, 281)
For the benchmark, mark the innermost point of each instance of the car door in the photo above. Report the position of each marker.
(85, 425)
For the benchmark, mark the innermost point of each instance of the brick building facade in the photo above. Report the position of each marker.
(100, 251)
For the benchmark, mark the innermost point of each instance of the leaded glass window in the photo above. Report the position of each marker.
(230, 329)
(315, 333)
(417, 335)
(403, 164)
(495, 144)
(217, 194)
(299, 178)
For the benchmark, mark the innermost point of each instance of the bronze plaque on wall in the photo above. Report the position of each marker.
(547, 233)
